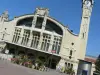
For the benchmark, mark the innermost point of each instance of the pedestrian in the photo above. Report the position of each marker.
(36, 65)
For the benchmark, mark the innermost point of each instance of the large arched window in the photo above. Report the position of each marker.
(51, 26)
(26, 21)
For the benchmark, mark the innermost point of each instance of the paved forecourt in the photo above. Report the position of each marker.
(8, 68)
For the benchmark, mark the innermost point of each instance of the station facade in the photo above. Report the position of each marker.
(41, 36)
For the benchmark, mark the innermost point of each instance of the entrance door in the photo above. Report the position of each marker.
(52, 63)
(12, 51)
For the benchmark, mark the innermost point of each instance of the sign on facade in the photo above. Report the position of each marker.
(53, 51)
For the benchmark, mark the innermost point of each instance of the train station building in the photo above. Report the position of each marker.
(41, 36)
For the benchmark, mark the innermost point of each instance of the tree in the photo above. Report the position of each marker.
(97, 65)
(69, 71)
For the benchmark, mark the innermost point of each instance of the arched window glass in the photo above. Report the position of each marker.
(51, 26)
(39, 22)
(26, 22)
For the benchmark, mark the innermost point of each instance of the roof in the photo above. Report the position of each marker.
(90, 59)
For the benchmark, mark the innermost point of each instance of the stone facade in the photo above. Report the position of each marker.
(40, 32)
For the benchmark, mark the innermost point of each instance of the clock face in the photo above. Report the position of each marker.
(88, 3)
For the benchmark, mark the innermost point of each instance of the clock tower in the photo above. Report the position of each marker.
(84, 28)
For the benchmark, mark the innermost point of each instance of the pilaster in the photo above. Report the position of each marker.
(30, 39)
(51, 43)
(34, 21)
(40, 41)
(44, 22)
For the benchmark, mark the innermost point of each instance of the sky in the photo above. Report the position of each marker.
(68, 12)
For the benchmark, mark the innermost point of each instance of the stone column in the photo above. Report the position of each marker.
(44, 22)
(16, 50)
(41, 34)
(34, 21)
